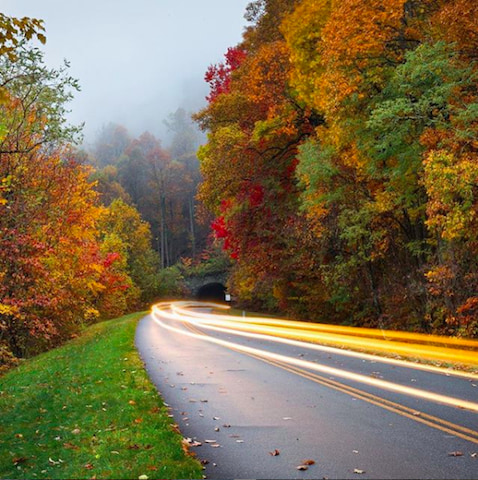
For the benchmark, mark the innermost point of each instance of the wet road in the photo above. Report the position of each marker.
(256, 408)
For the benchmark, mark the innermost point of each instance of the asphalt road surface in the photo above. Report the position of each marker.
(248, 413)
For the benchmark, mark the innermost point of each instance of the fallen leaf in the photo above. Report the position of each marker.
(132, 402)
(76, 431)
(455, 454)
(155, 410)
(357, 470)
(143, 477)
(114, 452)
(88, 466)
(308, 462)
(152, 468)
(215, 445)
(138, 420)
(274, 453)
(133, 447)
(69, 445)
(302, 467)
(18, 460)
(18, 435)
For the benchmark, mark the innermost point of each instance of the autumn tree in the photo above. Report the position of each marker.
(255, 125)
(56, 272)
(352, 123)
(123, 223)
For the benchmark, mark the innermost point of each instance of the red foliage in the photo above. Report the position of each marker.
(256, 195)
(219, 227)
(219, 76)
(110, 259)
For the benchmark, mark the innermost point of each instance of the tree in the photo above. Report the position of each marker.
(55, 275)
(15, 30)
(34, 102)
(110, 144)
(124, 223)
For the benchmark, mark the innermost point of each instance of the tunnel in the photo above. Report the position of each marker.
(212, 292)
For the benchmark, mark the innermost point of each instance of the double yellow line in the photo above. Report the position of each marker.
(421, 417)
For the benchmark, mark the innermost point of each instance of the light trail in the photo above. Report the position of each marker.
(224, 324)
(160, 313)
(388, 335)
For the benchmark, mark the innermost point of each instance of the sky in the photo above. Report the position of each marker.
(136, 61)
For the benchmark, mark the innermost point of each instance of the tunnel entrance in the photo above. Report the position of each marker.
(212, 292)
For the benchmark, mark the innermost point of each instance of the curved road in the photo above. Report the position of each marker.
(254, 407)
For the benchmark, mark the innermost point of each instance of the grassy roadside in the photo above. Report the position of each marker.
(88, 410)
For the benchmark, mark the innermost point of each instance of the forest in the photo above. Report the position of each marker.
(339, 175)
(85, 234)
(341, 162)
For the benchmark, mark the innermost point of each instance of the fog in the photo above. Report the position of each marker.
(137, 61)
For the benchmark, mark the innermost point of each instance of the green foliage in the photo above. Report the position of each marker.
(38, 96)
(211, 262)
(171, 282)
(418, 96)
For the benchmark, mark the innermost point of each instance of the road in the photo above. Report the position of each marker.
(259, 407)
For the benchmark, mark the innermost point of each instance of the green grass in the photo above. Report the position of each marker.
(88, 410)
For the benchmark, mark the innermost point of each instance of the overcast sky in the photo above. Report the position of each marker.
(136, 60)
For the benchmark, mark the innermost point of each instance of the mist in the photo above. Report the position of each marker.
(136, 61)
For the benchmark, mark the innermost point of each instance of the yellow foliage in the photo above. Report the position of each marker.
(302, 30)
(95, 287)
(452, 206)
(91, 314)
(8, 309)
